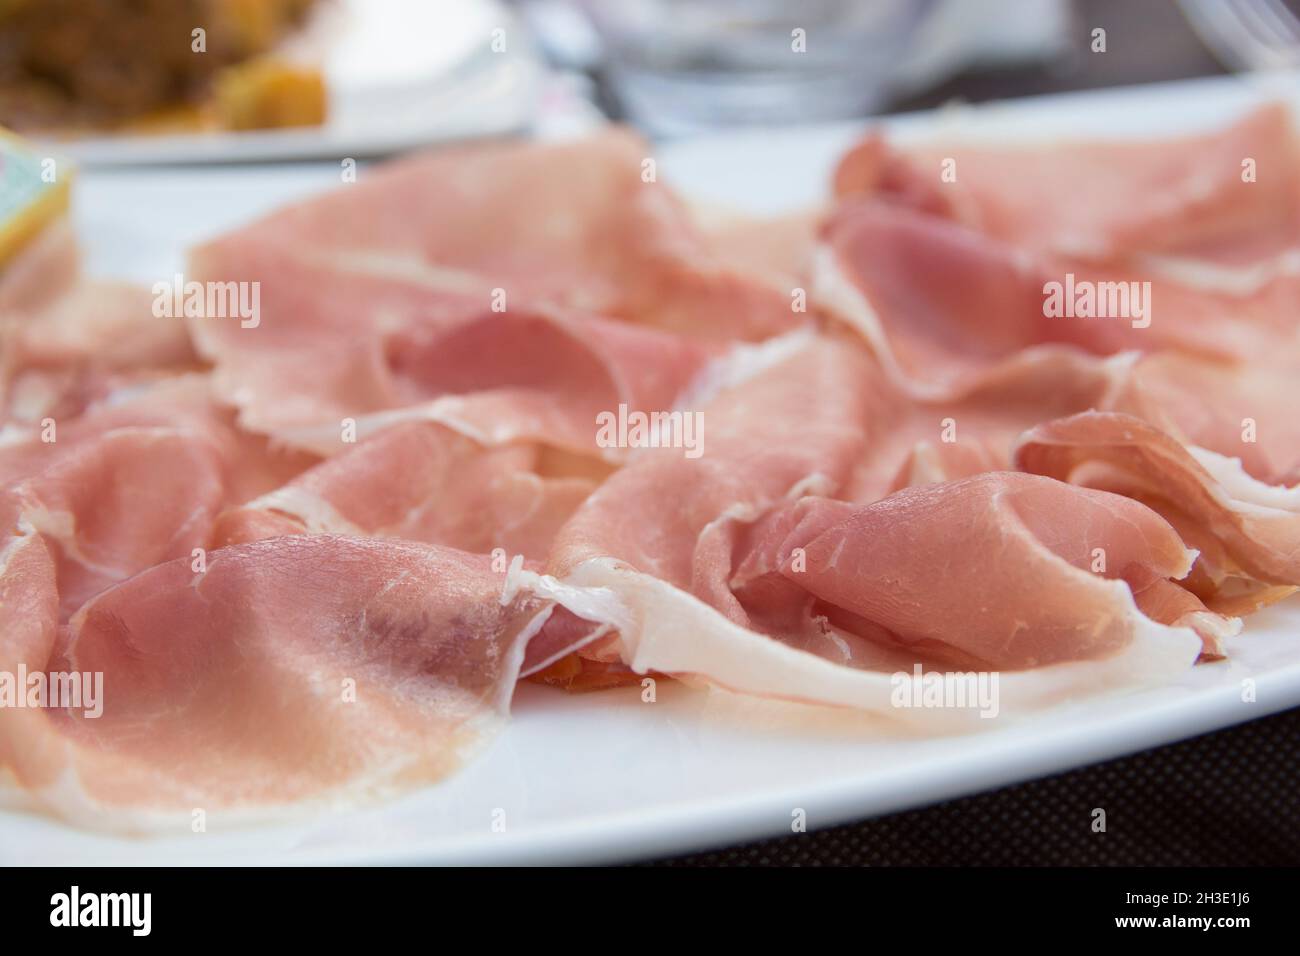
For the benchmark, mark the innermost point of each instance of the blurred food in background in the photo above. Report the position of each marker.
(123, 82)
(71, 66)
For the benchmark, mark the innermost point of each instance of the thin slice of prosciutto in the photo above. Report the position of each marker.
(298, 669)
(132, 483)
(310, 551)
(1248, 532)
(898, 580)
(1221, 193)
(419, 481)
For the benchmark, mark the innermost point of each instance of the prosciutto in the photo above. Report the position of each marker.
(940, 302)
(576, 249)
(539, 375)
(1251, 418)
(129, 485)
(1224, 193)
(716, 596)
(1248, 532)
(67, 341)
(359, 667)
(589, 225)
(419, 481)
(515, 412)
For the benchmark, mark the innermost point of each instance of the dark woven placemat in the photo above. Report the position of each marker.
(1230, 798)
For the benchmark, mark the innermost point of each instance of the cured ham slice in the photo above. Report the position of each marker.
(1201, 195)
(59, 363)
(664, 629)
(529, 375)
(939, 303)
(778, 249)
(792, 421)
(586, 224)
(1170, 602)
(421, 482)
(753, 460)
(883, 563)
(688, 599)
(514, 412)
(66, 341)
(110, 324)
(1251, 417)
(1249, 531)
(127, 486)
(913, 442)
(315, 668)
(358, 286)
(29, 619)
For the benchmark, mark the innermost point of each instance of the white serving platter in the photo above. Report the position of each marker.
(605, 777)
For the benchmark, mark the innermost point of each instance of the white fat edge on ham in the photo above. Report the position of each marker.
(597, 607)
(1240, 281)
(60, 527)
(1218, 626)
(662, 628)
(13, 433)
(26, 534)
(446, 410)
(317, 515)
(1242, 490)
(1231, 485)
(401, 266)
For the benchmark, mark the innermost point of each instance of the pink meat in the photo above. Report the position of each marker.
(309, 668)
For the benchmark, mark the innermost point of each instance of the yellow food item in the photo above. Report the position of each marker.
(34, 192)
(267, 93)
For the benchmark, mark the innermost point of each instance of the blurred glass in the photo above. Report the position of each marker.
(1248, 34)
(679, 66)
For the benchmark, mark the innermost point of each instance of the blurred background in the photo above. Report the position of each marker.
(141, 80)
(674, 66)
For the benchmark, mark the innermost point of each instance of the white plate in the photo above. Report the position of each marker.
(605, 777)
(399, 73)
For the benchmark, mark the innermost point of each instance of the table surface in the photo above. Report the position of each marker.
(1223, 799)
(1148, 41)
